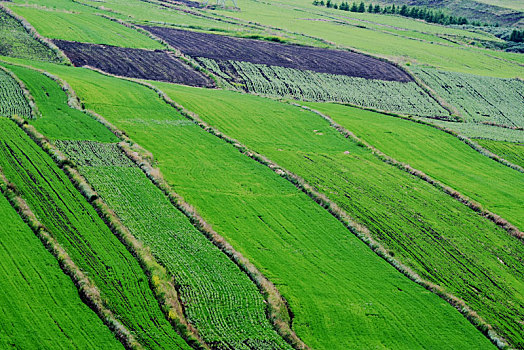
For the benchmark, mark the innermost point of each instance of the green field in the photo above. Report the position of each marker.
(74, 223)
(511, 151)
(406, 98)
(440, 155)
(409, 216)
(480, 131)
(501, 102)
(15, 41)
(84, 27)
(219, 299)
(12, 97)
(294, 242)
(40, 305)
(58, 121)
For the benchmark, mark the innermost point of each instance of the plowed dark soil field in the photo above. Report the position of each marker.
(315, 59)
(133, 63)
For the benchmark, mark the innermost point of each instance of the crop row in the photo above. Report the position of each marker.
(218, 298)
(12, 98)
(77, 227)
(479, 99)
(406, 98)
(511, 151)
(426, 229)
(16, 41)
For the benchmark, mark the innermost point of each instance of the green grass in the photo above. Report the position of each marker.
(12, 99)
(77, 227)
(40, 305)
(219, 299)
(342, 295)
(84, 27)
(511, 151)
(406, 98)
(478, 99)
(16, 41)
(440, 155)
(58, 120)
(425, 228)
(466, 60)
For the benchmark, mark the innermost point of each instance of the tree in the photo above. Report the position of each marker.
(362, 7)
(354, 8)
(329, 4)
(376, 9)
(370, 8)
(403, 10)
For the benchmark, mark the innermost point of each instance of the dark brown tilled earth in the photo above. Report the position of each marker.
(133, 63)
(220, 47)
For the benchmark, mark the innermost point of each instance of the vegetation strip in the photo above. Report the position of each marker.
(87, 289)
(499, 221)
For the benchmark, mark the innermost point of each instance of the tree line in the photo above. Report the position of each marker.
(428, 15)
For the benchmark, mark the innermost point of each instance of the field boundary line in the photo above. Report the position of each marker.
(475, 206)
(32, 31)
(278, 313)
(351, 224)
(485, 152)
(88, 291)
(160, 282)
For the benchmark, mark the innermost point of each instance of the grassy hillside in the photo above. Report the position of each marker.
(77, 227)
(276, 227)
(440, 155)
(409, 216)
(40, 305)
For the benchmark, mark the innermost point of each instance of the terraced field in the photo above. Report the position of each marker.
(40, 305)
(77, 227)
(241, 218)
(297, 244)
(134, 63)
(409, 216)
(16, 41)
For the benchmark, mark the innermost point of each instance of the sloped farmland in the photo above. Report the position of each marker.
(220, 47)
(133, 63)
